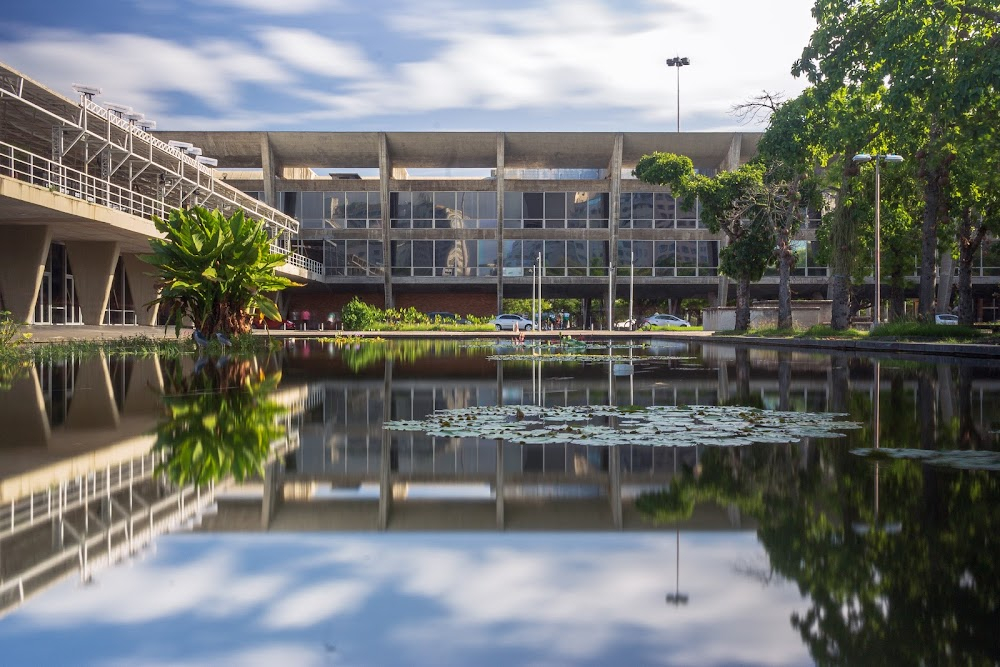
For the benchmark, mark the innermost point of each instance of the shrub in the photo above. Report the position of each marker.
(360, 316)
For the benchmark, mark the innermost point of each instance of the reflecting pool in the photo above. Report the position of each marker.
(646, 503)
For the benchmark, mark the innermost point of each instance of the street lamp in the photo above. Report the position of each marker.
(678, 62)
(862, 158)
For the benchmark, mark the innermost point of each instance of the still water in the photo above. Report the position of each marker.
(255, 511)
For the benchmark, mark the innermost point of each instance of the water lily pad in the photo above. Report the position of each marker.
(948, 458)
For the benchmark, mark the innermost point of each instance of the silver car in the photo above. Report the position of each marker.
(508, 322)
(660, 320)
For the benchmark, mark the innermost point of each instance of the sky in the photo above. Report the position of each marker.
(420, 599)
(409, 65)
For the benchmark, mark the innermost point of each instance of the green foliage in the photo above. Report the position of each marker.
(667, 505)
(220, 423)
(217, 271)
(360, 316)
(918, 329)
(11, 334)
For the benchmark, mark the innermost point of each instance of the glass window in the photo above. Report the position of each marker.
(423, 258)
(663, 207)
(533, 205)
(357, 258)
(708, 258)
(401, 205)
(375, 254)
(486, 258)
(335, 205)
(468, 204)
(555, 258)
(642, 205)
(686, 212)
(511, 206)
(402, 257)
(312, 205)
(576, 208)
(423, 224)
(555, 205)
(374, 206)
(665, 257)
(598, 258)
(290, 203)
(423, 205)
(444, 203)
(687, 258)
(335, 258)
(487, 206)
(597, 207)
(530, 250)
(512, 254)
(400, 224)
(577, 258)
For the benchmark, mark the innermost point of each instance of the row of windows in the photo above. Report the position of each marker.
(560, 258)
(478, 210)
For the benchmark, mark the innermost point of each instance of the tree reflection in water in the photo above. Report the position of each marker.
(220, 421)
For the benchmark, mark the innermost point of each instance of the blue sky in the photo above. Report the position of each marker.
(516, 65)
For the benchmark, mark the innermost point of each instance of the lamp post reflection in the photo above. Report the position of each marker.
(677, 598)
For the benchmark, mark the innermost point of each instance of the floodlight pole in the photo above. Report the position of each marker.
(862, 158)
(678, 62)
(631, 290)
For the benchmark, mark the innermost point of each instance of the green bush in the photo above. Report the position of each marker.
(10, 332)
(360, 316)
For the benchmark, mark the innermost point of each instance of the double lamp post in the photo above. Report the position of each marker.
(891, 158)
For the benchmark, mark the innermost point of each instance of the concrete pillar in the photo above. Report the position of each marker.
(501, 189)
(143, 288)
(615, 169)
(732, 160)
(384, 172)
(270, 168)
(145, 388)
(93, 405)
(22, 263)
(93, 265)
(22, 413)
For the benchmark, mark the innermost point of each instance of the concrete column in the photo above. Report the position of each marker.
(501, 189)
(22, 413)
(270, 168)
(145, 388)
(615, 169)
(93, 405)
(732, 160)
(384, 172)
(93, 265)
(143, 288)
(22, 263)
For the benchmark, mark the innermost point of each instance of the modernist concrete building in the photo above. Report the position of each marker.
(451, 221)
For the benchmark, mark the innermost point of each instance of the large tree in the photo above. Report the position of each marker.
(921, 67)
(730, 203)
(215, 271)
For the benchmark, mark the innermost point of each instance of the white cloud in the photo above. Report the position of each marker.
(278, 7)
(307, 51)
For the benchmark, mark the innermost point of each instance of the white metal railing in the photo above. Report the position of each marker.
(26, 166)
(298, 260)
(223, 190)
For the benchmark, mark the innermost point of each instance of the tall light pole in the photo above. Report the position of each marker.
(678, 62)
(631, 290)
(862, 158)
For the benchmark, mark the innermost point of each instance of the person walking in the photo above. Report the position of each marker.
(305, 319)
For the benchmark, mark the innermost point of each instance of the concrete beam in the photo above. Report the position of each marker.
(93, 265)
(270, 168)
(22, 263)
(732, 160)
(143, 288)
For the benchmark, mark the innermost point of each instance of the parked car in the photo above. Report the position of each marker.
(446, 318)
(507, 323)
(661, 320)
(945, 318)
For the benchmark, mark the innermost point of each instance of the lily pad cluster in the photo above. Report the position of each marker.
(597, 425)
(949, 458)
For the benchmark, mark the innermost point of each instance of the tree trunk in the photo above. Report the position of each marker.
(842, 257)
(785, 290)
(968, 246)
(897, 298)
(933, 173)
(742, 304)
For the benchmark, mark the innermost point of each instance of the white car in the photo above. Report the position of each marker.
(507, 323)
(660, 320)
(945, 318)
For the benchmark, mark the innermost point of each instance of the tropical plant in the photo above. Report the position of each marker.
(221, 423)
(11, 334)
(215, 270)
(360, 316)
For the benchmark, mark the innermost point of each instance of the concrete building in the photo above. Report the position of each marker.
(453, 221)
